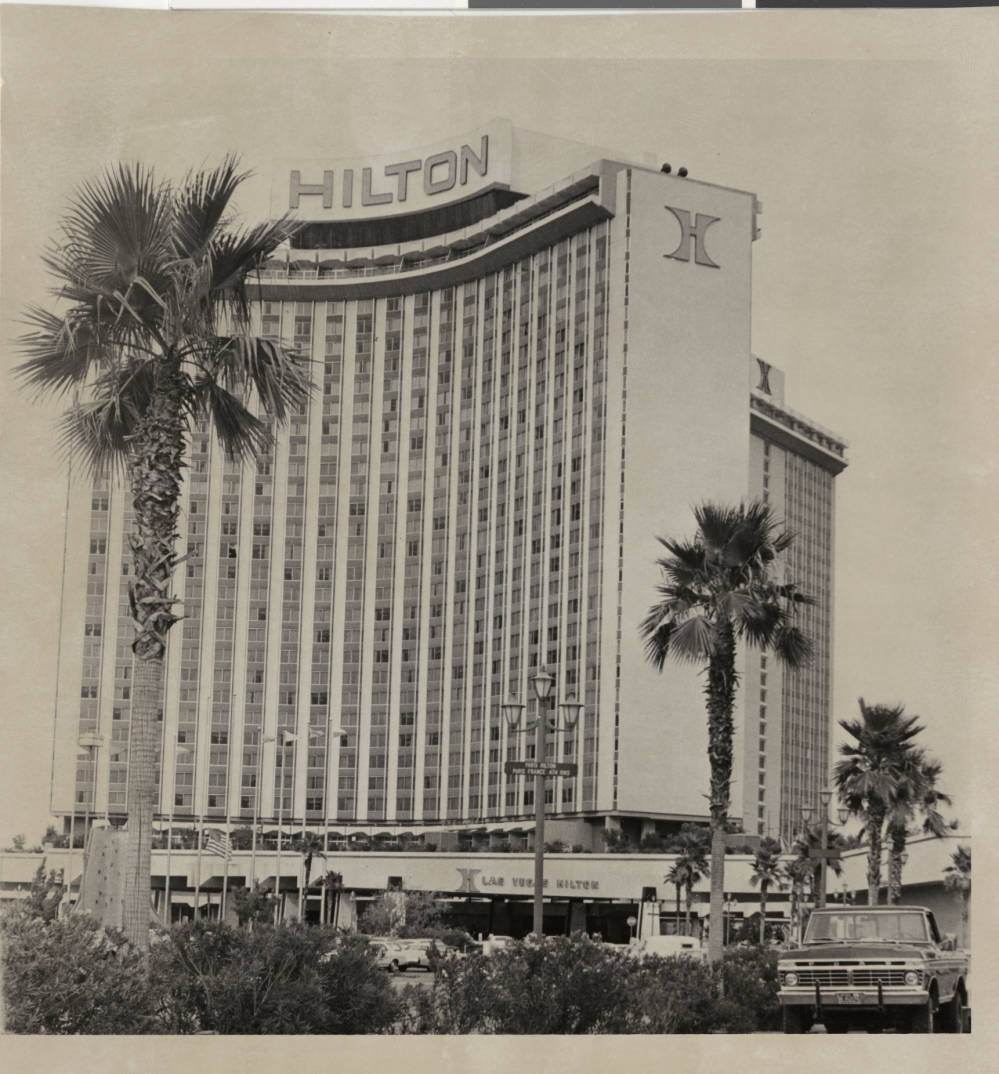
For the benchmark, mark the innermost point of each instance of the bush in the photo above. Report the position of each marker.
(576, 985)
(748, 982)
(564, 985)
(73, 976)
(288, 979)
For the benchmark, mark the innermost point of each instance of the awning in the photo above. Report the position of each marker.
(288, 883)
(214, 883)
(387, 259)
(177, 882)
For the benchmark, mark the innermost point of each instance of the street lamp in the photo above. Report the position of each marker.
(512, 710)
(728, 909)
(90, 743)
(261, 739)
(824, 854)
(284, 737)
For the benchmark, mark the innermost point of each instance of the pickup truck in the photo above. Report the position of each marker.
(874, 967)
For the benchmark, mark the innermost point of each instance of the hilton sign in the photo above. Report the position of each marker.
(403, 183)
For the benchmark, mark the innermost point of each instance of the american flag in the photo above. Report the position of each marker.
(218, 843)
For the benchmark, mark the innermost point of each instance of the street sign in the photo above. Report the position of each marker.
(541, 768)
(740, 840)
(832, 854)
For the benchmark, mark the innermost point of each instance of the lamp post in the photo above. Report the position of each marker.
(728, 908)
(261, 739)
(571, 708)
(824, 854)
(284, 737)
(330, 733)
(90, 743)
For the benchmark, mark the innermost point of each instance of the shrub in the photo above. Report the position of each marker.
(748, 982)
(73, 976)
(288, 979)
(617, 841)
(675, 994)
(564, 985)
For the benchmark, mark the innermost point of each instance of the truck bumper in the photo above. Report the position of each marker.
(851, 999)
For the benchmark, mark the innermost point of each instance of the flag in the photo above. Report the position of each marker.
(218, 843)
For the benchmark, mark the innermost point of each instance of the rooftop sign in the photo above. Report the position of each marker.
(406, 181)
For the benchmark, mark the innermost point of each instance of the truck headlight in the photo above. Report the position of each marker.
(912, 977)
(790, 979)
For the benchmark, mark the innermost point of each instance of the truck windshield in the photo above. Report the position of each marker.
(858, 925)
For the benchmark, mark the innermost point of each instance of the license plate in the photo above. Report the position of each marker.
(849, 997)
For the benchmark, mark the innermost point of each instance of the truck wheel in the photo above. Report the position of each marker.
(922, 1019)
(796, 1019)
(950, 1015)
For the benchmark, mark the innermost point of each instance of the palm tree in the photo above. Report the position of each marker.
(957, 878)
(767, 870)
(154, 333)
(715, 590)
(917, 793)
(693, 861)
(808, 840)
(869, 777)
(798, 872)
(677, 876)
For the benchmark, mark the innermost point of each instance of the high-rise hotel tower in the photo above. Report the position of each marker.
(529, 361)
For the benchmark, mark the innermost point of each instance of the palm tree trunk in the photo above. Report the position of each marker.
(720, 694)
(895, 866)
(156, 480)
(690, 899)
(763, 912)
(875, 819)
(677, 907)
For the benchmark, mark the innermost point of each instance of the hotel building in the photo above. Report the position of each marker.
(530, 360)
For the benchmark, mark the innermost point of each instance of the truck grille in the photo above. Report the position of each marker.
(834, 977)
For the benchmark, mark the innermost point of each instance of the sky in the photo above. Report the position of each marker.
(868, 138)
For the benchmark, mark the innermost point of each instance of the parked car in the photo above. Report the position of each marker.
(388, 955)
(415, 953)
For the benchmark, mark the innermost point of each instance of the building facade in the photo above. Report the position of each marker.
(530, 360)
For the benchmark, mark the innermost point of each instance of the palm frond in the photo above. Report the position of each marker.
(279, 376)
(62, 351)
(242, 434)
(118, 228)
(693, 640)
(793, 646)
(97, 435)
(200, 206)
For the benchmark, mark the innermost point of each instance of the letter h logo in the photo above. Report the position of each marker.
(695, 232)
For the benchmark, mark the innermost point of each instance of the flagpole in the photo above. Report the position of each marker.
(166, 894)
(225, 872)
(197, 881)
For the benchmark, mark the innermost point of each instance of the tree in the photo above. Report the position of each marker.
(717, 589)
(154, 333)
(869, 777)
(957, 878)
(916, 793)
(766, 870)
(677, 876)
(693, 844)
(798, 872)
(807, 865)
